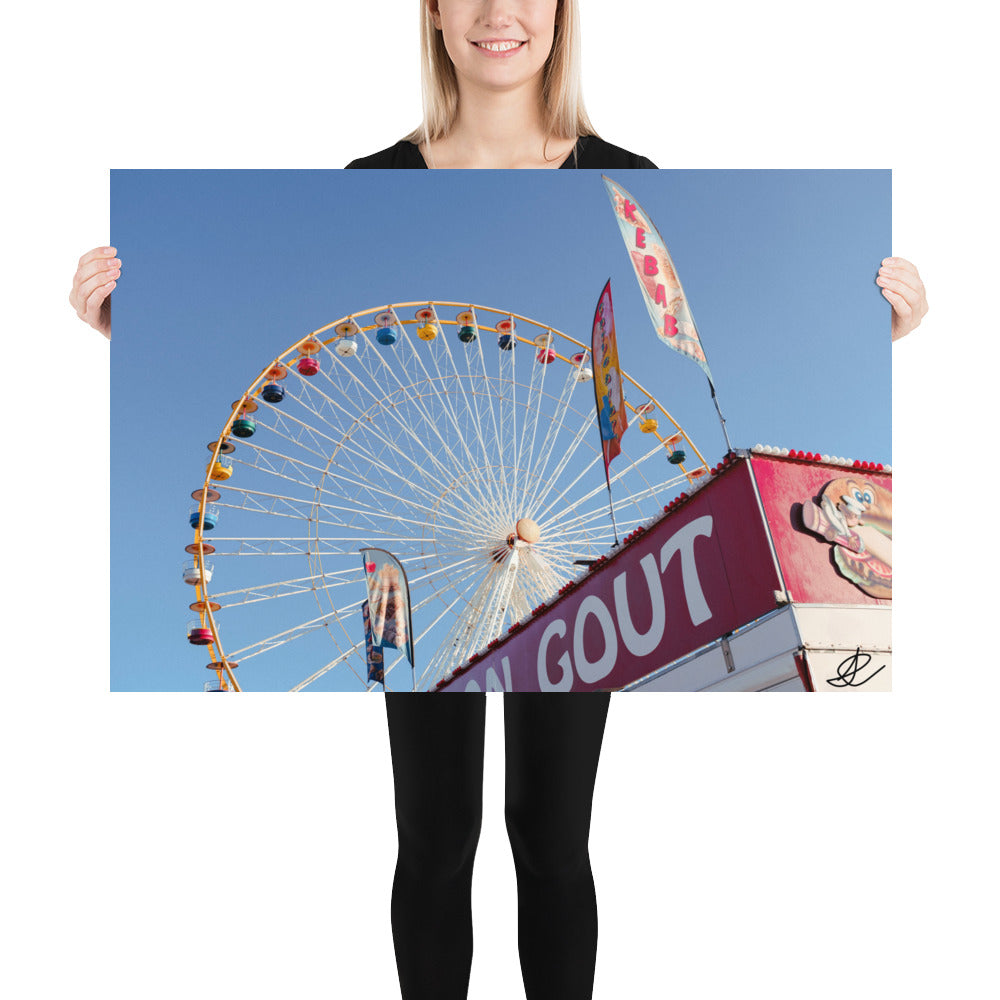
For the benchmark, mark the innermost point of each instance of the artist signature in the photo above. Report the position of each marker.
(849, 669)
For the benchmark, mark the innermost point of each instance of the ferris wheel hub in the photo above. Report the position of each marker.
(528, 531)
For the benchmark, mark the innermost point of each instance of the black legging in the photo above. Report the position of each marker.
(553, 743)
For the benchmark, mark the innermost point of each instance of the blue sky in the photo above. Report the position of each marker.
(226, 269)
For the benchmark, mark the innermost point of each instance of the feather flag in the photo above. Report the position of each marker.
(388, 602)
(611, 414)
(374, 656)
(612, 419)
(657, 277)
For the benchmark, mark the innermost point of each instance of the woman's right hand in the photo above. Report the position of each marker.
(96, 276)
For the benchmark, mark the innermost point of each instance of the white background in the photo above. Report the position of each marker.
(173, 846)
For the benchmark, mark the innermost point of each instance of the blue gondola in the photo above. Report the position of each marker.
(272, 393)
(211, 517)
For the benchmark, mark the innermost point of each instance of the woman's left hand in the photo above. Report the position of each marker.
(903, 289)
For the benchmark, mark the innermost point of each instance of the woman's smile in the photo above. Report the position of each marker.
(497, 44)
(498, 47)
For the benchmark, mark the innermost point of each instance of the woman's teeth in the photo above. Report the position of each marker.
(498, 46)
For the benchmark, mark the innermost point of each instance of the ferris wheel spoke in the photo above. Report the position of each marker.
(633, 467)
(503, 391)
(353, 610)
(536, 471)
(580, 541)
(651, 491)
(511, 386)
(343, 445)
(256, 501)
(383, 441)
(293, 429)
(435, 593)
(262, 546)
(581, 519)
(533, 409)
(656, 450)
(336, 661)
(585, 470)
(435, 596)
(489, 608)
(584, 523)
(547, 484)
(438, 663)
(479, 405)
(272, 642)
(266, 592)
(263, 463)
(439, 578)
(472, 399)
(489, 456)
(342, 517)
(300, 508)
(428, 422)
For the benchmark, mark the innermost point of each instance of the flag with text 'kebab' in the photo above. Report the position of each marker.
(661, 288)
(388, 602)
(611, 415)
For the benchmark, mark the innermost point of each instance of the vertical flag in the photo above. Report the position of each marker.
(388, 602)
(374, 656)
(611, 415)
(657, 277)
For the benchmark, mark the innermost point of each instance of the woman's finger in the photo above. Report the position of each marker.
(905, 318)
(900, 306)
(93, 308)
(86, 287)
(96, 298)
(101, 270)
(96, 254)
(896, 269)
(900, 287)
(904, 290)
(902, 265)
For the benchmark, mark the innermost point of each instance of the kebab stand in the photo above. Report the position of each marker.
(775, 574)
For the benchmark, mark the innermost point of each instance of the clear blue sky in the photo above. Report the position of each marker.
(225, 269)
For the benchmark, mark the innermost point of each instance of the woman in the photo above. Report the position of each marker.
(501, 90)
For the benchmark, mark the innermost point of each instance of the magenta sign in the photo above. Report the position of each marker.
(704, 569)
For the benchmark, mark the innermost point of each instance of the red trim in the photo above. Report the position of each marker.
(802, 666)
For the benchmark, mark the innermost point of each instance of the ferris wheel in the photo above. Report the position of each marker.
(463, 439)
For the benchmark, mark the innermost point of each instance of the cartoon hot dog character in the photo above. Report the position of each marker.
(855, 516)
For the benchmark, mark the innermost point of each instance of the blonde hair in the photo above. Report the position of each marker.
(562, 93)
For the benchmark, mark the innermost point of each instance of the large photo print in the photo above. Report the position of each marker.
(455, 432)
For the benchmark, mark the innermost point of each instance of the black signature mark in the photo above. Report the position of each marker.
(849, 669)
